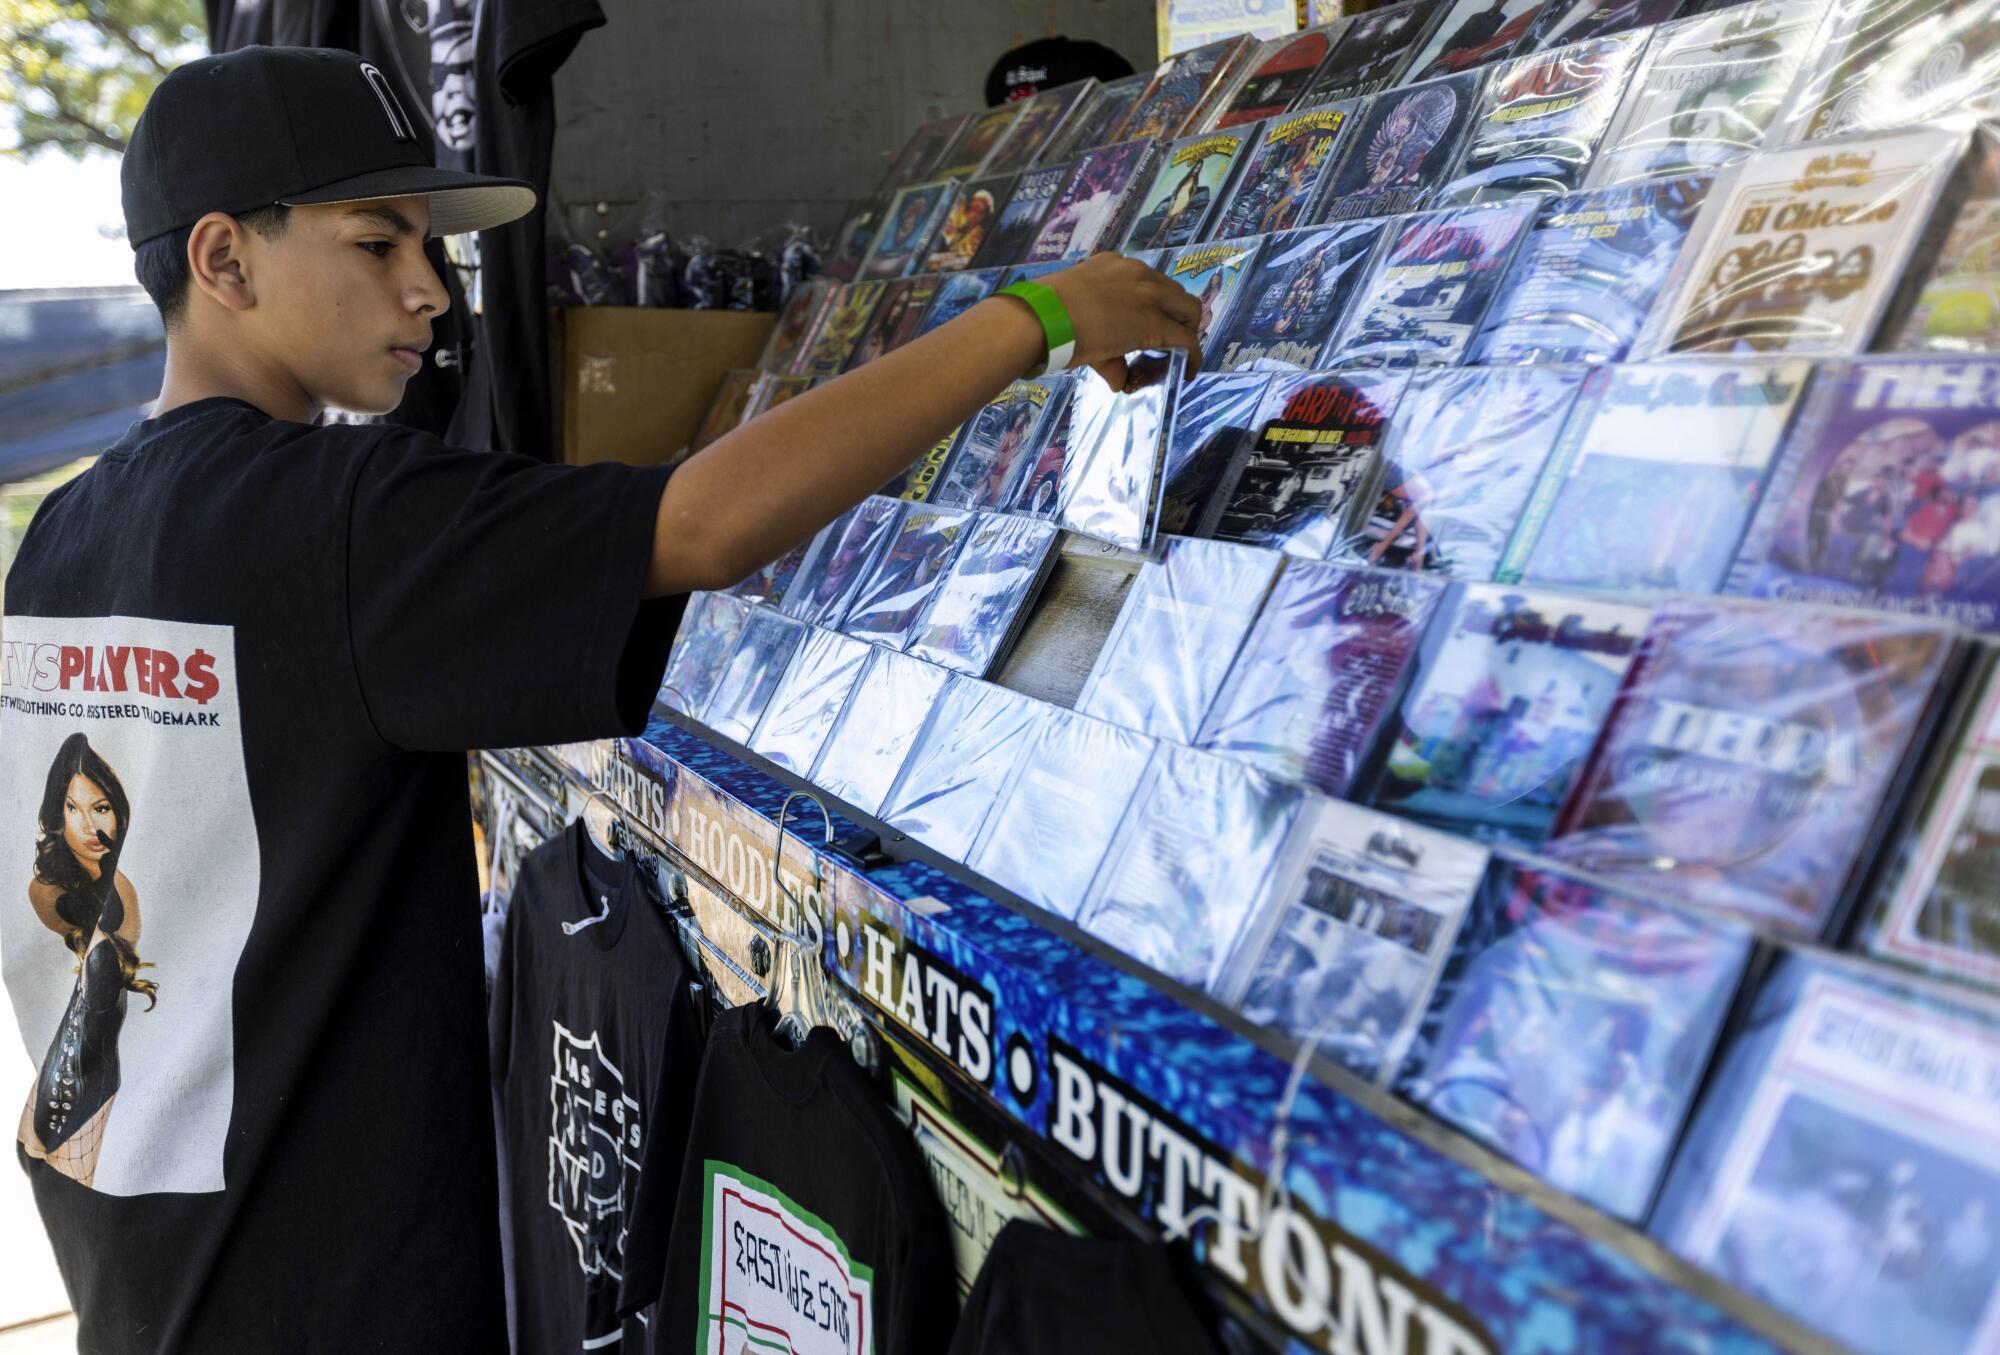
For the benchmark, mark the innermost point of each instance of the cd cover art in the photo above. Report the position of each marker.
(1748, 758)
(1402, 147)
(908, 225)
(837, 559)
(845, 320)
(1510, 689)
(1318, 441)
(1957, 310)
(1894, 63)
(1295, 156)
(1588, 274)
(1656, 477)
(960, 763)
(1212, 275)
(1183, 84)
(912, 562)
(1563, 22)
(1040, 123)
(1036, 487)
(1282, 69)
(1540, 121)
(1571, 1028)
(956, 294)
(1351, 933)
(896, 318)
(919, 158)
(1055, 819)
(975, 613)
(1098, 120)
(802, 313)
(1191, 855)
(1430, 286)
(884, 715)
(1321, 672)
(1089, 208)
(1474, 32)
(993, 447)
(1183, 621)
(763, 651)
(1020, 220)
(1189, 186)
(1887, 494)
(974, 213)
(981, 137)
(1467, 448)
(1294, 298)
(702, 646)
(1214, 418)
(857, 232)
(1370, 52)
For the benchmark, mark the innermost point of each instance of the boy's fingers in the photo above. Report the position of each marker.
(1114, 372)
(1180, 305)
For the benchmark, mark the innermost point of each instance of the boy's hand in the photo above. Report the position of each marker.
(1119, 306)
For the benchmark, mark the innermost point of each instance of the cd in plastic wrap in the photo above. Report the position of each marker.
(994, 445)
(1351, 933)
(796, 322)
(1020, 221)
(1570, 21)
(1294, 158)
(1749, 759)
(907, 227)
(1097, 120)
(975, 613)
(846, 318)
(975, 144)
(808, 699)
(857, 232)
(1037, 486)
(1571, 1028)
(1655, 477)
(1213, 419)
(1898, 63)
(1278, 74)
(1956, 311)
(1183, 621)
(837, 558)
(769, 584)
(896, 318)
(1541, 120)
(1473, 33)
(1184, 83)
(1466, 451)
(1190, 856)
(1040, 123)
(1938, 908)
(1321, 672)
(960, 763)
(1887, 493)
(958, 293)
(1370, 52)
(973, 215)
(702, 646)
(1055, 818)
(1193, 176)
(1402, 146)
(889, 597)
(884, 714)
(725, 412)
(918, 479)
(1118, 450)
(763, 651)
(1801, 251)
(1510, 689)
(1707, 90)
(1318, 442)
(1588, 273)
(1089, 209)
(921, 154)
(1430, 286)
(1842, 1166)
(1294, 298)
(1212, 275)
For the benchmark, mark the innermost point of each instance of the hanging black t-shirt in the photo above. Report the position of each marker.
(493, 65)
(806, 1220)
(596, 1046)
(242, 660)
(1041, 1292)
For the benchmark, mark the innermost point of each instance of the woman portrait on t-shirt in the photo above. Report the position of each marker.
(79, 893)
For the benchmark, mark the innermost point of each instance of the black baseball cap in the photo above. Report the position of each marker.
(293, 126)
(1048, 62)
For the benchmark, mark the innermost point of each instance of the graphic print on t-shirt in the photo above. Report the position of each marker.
(595, 1143)
(774, 1277)
(128, 880)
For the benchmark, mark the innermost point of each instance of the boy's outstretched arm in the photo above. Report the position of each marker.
(760, 490)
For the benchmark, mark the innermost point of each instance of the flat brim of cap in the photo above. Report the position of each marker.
(460, 202)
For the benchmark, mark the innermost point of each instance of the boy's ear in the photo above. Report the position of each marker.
(217, 261)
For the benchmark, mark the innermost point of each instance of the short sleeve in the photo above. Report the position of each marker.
(495, 601)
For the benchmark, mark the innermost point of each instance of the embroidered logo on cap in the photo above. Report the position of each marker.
(399, 121)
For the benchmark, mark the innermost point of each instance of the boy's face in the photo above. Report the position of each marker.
(345, 300)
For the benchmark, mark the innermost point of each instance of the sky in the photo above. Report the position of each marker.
(50, 234)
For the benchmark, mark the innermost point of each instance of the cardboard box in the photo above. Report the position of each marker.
(637, 380)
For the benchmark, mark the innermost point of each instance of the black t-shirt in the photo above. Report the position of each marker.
(1042, 1292)
(806, 1220)
(247, 656)
(493, 64)
(596, 1046)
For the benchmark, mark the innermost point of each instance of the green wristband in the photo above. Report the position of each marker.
(1056, 326)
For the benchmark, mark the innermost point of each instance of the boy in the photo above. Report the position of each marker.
(243, 659)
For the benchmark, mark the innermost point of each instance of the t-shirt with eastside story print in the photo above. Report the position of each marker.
(241, 663)
(806, 1220)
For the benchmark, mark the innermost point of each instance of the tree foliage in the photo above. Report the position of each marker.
(74, 74)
